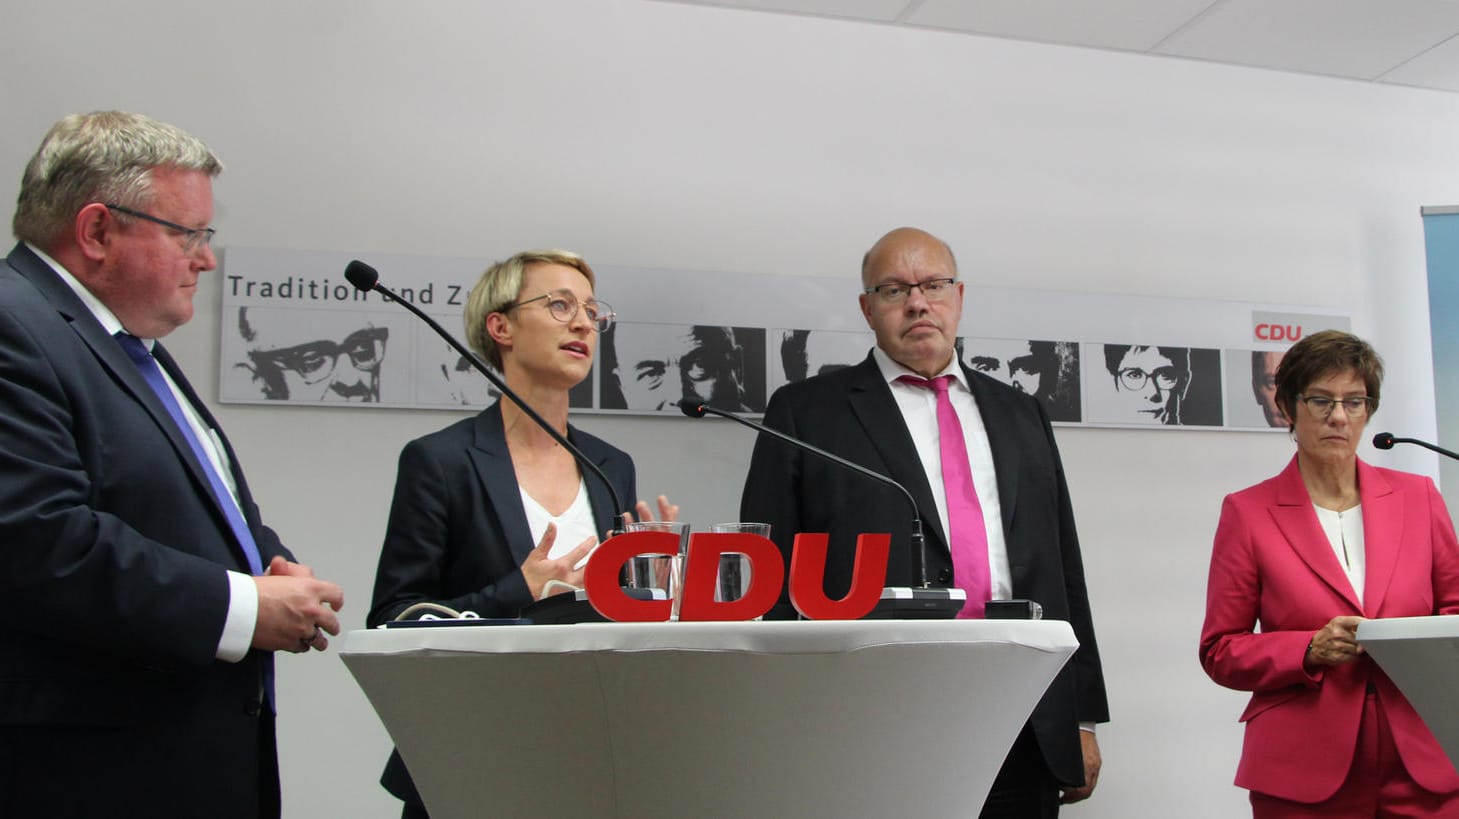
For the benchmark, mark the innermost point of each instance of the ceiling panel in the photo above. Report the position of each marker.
(879, 10)
(1398, 41)
(1134, 25)
(1347, 38)
(1436, 68)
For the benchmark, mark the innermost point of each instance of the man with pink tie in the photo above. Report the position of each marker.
(979, 458)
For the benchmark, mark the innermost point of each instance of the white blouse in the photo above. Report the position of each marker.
(1345, 532)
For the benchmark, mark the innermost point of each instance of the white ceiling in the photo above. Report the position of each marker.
(1401, 42)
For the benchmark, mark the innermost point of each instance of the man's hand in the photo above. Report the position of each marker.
(1092, 763)
(295, 610)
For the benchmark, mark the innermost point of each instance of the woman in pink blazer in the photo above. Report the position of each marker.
(1301, 559)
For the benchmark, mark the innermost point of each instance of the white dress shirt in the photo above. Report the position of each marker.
(919, 411)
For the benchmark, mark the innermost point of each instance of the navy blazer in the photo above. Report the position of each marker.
(113, 554)
(852, 413)
(458, 533)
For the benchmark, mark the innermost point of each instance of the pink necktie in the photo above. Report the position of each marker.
(967, 536)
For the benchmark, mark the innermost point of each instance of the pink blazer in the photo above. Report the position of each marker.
(1273, 567)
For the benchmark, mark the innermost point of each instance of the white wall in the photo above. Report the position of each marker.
(652, 134)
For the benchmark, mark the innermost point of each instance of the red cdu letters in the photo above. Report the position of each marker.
(808, 567)
(1279, 332)
(767, 576)
(605, 567)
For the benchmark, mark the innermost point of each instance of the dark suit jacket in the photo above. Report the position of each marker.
(458, 532)
(112, 576)
(852, 413)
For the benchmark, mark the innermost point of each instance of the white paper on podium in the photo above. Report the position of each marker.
(1421, 656)
(807, 719)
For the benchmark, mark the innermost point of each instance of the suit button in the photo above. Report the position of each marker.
(253, 708)
(944, 576)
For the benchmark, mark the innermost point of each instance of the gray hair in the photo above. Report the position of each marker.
(500, 286)
(104, 156)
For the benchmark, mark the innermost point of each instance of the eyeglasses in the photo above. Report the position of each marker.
(563, 306)
(1134, 378)
(196, 237)
(316, 360)
(897, 292)
(1356, 406)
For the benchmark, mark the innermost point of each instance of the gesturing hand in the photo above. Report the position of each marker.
(667, 511)
(538, 568)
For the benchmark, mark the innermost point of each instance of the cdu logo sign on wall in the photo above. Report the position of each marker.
(1290, 328)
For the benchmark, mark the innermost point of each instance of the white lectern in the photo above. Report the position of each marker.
(805, 719)
(1421, 656)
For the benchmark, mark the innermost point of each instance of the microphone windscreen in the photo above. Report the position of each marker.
(693, 409)
(1383, 440)
(361, 275)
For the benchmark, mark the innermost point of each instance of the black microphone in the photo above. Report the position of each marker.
(1385, 440)
(695, 409)
(367, 278)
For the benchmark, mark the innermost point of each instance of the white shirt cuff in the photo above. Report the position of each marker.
(1086, 726)
(237, 635)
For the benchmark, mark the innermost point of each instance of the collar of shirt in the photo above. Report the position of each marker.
(103, 314)
(213, 446)
(918, 407)
(891, 370)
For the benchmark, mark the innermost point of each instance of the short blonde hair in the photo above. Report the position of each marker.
(500, 287)
(104, 156)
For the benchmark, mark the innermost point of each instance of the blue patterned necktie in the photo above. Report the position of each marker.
(150, 370)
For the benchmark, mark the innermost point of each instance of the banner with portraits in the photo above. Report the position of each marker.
(295, 331)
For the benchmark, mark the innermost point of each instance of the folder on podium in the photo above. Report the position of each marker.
(811, 719)
(1421, 656)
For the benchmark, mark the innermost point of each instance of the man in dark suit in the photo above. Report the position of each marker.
(873, 415)
(144, 596)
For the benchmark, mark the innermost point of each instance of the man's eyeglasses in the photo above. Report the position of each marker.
(1321, 406)
(196, 237)
(316, 360)
(563, 306)
(897, 292)
(1134, 378)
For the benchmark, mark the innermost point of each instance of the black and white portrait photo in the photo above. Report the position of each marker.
(651, 367)
(804, 353)
(1251, 389)
(1143, 384)
(1047, 370)
(446, 378)
(310, 356)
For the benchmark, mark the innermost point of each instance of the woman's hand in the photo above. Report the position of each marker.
(667, 511)
(1335, 643)
(538, 568)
